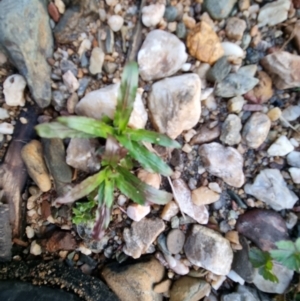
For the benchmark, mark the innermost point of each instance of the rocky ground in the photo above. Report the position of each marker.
(221, 77)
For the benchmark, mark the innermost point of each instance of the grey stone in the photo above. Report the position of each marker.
(25, 36)
(171, 13)
(58, 100)
(231, 130)
(206, 134)
(256, 129)
(175, 241)
(243, 293)
(219, 9)
(110, 67)
(66, 65)
(5, 234)
(235, 84)
(181, 30)
(224, 162)
(83, 84)
(293, 159)
(219, 70)
(208, 249)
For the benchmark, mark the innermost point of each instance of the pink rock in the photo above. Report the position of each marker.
(53, 12)
(137, 212)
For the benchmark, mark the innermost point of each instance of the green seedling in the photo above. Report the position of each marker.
(123, 146)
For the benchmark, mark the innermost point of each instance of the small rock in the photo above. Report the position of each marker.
(141, 235)
(235, 104)
(111, 2)
(3, 58)
(53, 12)
(289, 30)
(214, 186)
(233, 50)
(6, 128)
(29, 232)
(204, 196)
(204, 44)
(35, 249)
(115, 22)
(219, 71)
(181, 30)
(179, 111)
(97, 60)
(273, 13)
(256, 130)
(284, 69)
(234, 85)
(61, 240)
(134, 282)
(66, 65)
(32, 155)
(183, 198)
(175, 241)
(137, 212)
(162, 287)
(293, 159)
(60, 6)
(81, 154)
(230, 133)
(13, 89)
(206, 134)
(85, 45)
(189, 22)
(171, 209)
(249, 70)
(162, 54)
(244, 4)
(274, 114)
(171, 13)
(219, 9)
(281, 147)
(208, 249)
(270, 187)
(189, 289)
(224, 162)
(152, 179)
(263, 91)
(295, 174)
(152, 14)
(235, 28)
(243, 293)
(291, 113)
(70, 81)
(110, 67)
(283, 274)
(72, 102)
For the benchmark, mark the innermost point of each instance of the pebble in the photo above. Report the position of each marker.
(141, 235)
(170, 210)
(60, 6)
(189, 289)
(66, 65)
(35, 249)
(244, 4)
(110, 67)
(70, 81)
(6, 128)
(295, 174)
(232, 49)
(152, 14)
(111, 2)
(72, 102)
(137, 212)
(171, 13)
(291, 113)
(270, 187)
(234, 85)
(115, 22)
(206, 134)
(13, 89)
(61, 240)
(219, 70)
(274, 114)
(217, 258)
(175, 241)
(256, 130)
(181, 110)
(249, 70)
(235, 28)
(230, 133)
(29, 232)
(219, 9)
(293, 159)
(273, 13)
(189, 22)
(183, 198)
(204, 196)
(181, 30)
(96, 61)
(161, 55)
(224, 162)
(85, 45)
(53, 12)
(283, 67)
(32, 155)
(3, 58)
(152, 179)
(235, 104)
(162, 287)
(204, 44)
(214, 186)
(281, 147)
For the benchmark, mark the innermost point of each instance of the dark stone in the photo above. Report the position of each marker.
(66, 65)
(252, 56)
(5, 234)
(219, 70)
(241, 264)
(25, 36)
(263, 227)
(171, 13)
(219, 9)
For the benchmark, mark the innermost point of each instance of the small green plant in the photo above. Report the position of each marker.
(287, 254)
(123, 146)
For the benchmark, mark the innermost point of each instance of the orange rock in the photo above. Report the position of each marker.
(204, 44)
(61, 240)
(53, 12)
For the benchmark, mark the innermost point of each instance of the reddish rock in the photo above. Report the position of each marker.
(45, 209)
(61, 240)
(263, 227)
(53, 12)
(296, 4)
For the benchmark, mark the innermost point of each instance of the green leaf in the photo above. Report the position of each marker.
(82, 189)
(139, 191)
(87, 125)
(109, 192)
(148, 160)
(287, 254)
(152, 137)
(258, 258)
(126, 96)
(268, 274)
(58, 130)
(297, 244)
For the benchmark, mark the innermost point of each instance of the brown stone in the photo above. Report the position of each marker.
(204, 196)
(294, 30)
(53, 12)
(163, 287)
(134, 282)
(235, 28)
(204, 44)
(61, 240)
(263, 91)
(206, 134)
